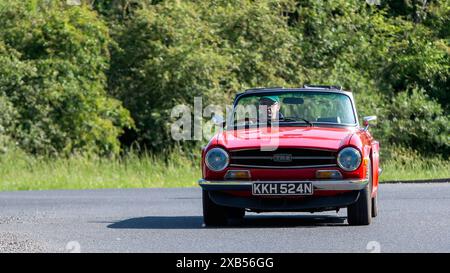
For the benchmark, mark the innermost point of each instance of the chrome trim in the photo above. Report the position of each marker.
(282, 167)
(271, 157)
(227, 182)
(251, 157)
(296, 148)
(332, 185)
(262, 90)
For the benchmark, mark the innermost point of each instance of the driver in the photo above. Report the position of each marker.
(272, 104)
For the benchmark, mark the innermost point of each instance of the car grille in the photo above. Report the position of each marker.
(283, 158)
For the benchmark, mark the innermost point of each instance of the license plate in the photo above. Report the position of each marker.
(297, 188)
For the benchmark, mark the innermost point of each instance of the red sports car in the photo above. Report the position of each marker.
(291, 150)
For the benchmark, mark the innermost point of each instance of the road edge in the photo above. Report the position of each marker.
(440, 180)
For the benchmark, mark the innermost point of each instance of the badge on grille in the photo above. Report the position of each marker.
(282, 158)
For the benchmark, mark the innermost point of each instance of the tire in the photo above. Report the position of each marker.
(216, 215)
(360, 213)
(375, 206)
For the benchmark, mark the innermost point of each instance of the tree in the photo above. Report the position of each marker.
(52, 73)
(176, 50)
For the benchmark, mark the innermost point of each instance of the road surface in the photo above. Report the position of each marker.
(412, 218)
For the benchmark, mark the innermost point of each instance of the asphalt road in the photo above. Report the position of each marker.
(413, 218)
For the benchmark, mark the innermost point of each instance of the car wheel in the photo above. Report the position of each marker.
(360, 212)
(213, 214)
(375, 206)
(216, 215)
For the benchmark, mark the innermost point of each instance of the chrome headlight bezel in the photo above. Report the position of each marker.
(225, 163)
(358, 159)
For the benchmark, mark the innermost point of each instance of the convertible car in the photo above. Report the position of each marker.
(291, 150)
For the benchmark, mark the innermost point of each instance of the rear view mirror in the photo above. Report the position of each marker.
(218, 120)
(367, 120)
(293, 100)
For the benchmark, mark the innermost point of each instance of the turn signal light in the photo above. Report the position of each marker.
(328, 174)
(237, 175)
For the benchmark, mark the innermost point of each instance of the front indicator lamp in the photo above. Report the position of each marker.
(328, 174)
(237, 175)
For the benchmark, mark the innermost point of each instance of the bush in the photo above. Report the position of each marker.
(53, 86)
(174, 51)
(413, 120)
(404, 163)
(52, 74)
(7, 121)
(415, 60)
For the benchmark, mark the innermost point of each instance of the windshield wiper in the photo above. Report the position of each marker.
(296, 119)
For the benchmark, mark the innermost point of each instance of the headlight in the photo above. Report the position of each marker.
(216, 159)
(349, 159)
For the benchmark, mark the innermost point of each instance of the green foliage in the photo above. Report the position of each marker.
(385, 58)
(7, 121)
(52, 74)
(408, 56)
(19, 171)
(177, 50)
(403, 163)
(413, 120)
(59, 65)
(117, 9)
(438, 19)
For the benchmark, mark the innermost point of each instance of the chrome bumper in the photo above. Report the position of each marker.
(329, 185)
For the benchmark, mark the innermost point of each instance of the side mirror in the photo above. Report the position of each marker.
(367, 120)
(218, 120)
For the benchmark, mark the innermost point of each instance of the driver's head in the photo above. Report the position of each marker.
(272, 104)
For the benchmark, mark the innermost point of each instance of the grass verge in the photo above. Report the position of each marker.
(416, 169)
(22, 172)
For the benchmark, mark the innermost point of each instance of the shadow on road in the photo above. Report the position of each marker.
(160, 222)
(251, 221)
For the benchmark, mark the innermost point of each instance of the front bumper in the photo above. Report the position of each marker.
(326, 185)
(347, 192)
(307, 203)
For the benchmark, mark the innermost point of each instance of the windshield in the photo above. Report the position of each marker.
(294, 107)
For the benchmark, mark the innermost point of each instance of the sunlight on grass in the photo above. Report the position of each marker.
(23, 172)
(396, 170)
(400, 163)
(19, 172)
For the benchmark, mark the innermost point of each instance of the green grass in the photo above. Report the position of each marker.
(401, 163)
(415, 169)
(22, 172)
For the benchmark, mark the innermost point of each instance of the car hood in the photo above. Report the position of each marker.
(287, 137)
